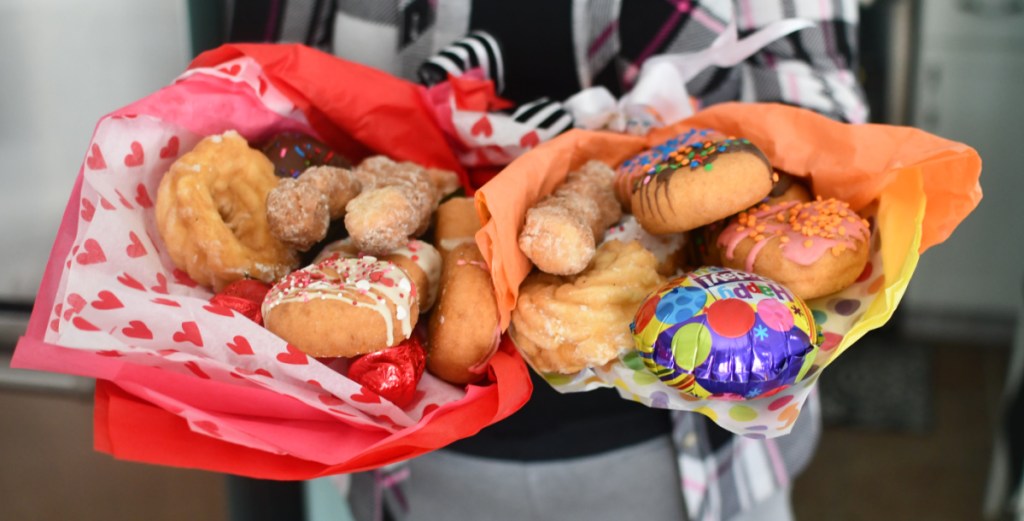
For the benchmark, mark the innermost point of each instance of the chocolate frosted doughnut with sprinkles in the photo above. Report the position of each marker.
(632, 171)
(293, 152)
(343, 307)
(700, 183)
(815, 248)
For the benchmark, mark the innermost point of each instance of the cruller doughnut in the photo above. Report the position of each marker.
(211, 213)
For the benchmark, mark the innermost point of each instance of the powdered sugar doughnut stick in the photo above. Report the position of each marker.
(562, 231)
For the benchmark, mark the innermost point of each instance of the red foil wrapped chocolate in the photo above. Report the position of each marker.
(392, 373)
(244, 296)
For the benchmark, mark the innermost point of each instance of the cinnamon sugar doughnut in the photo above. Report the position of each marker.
(300, 210)
(396, 202)
(343, 307)
(700, 184)
(814, 248)
(211, 213)
(562, 230)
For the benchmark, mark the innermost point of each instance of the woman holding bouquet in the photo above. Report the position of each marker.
(587, 455)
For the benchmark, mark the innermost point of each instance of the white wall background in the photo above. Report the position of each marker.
(63, 65)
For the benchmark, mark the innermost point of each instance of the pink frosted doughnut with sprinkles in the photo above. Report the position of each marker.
(815, 248)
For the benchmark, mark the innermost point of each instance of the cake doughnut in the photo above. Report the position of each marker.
(699, 184)
(562, 230)
(787, 188)
(292, 153)
(567, 324)
(723, 332)
(633, 170)
(211, 213)
(343, 307)
(814, 248)
(420, 260)
(300, 210)
(396, 203)
(463, 332)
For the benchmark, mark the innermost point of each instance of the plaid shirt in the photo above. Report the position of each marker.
(604, 42)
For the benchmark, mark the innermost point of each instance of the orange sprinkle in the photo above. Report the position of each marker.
(842, 231)
(759, 238)
(836, 250)
(779, 217)
(808, 243)
(784, 239)
(741, 228)
(775, 177)
(760, 228)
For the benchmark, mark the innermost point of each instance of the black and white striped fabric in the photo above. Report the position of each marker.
(544, 114)
(477, 49)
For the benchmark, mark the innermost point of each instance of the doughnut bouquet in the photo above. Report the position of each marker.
(719, 264)
(264, 284)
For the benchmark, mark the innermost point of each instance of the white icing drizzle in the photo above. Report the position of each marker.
(363, 282)
(422, 253)
(451, 244)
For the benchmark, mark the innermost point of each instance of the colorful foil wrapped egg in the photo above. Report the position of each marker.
(723, 332)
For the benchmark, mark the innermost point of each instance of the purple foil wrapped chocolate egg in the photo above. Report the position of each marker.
(723, 332)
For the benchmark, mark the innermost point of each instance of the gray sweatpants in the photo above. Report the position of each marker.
(635, 482)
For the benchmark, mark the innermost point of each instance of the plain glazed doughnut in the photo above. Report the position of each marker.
(211, 212)
(814, 248)
(700, 184)
(343, 307)
(463, 331)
